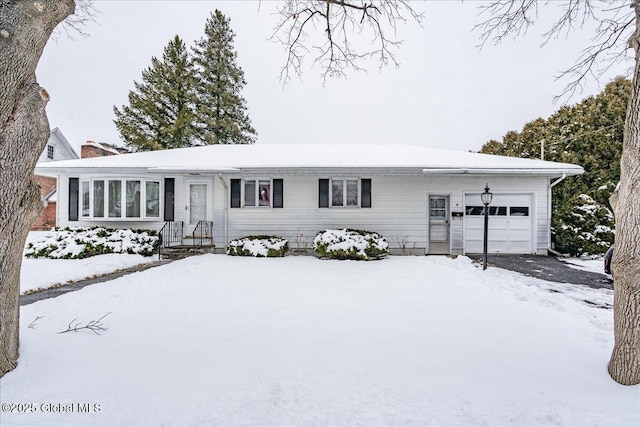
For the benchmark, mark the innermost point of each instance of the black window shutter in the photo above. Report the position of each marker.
(323, 199)
(235, 193)
(365, 199)
(169, 199)
(74, 187)
(278, 193)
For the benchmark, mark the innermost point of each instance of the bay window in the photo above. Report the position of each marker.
(101, 197)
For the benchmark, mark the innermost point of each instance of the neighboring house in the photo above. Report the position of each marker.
(424, 197)
(58, 149)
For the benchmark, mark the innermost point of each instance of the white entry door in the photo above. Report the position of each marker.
(198, 204)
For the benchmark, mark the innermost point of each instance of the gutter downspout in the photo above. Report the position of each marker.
(226, 211)
(551, 185)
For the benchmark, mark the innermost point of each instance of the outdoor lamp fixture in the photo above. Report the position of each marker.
(486, 198)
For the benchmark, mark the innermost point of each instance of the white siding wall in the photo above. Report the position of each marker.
(399, 208)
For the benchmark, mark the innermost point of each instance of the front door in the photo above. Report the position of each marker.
(197, 207)
(439, 225)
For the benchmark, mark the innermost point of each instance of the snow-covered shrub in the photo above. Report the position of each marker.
(350, 244)
(259, 246)
(76, 243)
(587, 227)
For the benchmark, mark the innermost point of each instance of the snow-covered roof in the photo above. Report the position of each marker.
(222, 158)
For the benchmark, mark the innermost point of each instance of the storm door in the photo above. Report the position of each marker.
(438, 225)
(198, 204)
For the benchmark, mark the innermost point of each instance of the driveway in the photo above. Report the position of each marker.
(548, 268)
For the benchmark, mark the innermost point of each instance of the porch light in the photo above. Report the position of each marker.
(486, 198)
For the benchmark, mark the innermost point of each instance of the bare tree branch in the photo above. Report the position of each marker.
(33, 324)
(614, 24)
(94, 326)
(75, 24)
(334, 47)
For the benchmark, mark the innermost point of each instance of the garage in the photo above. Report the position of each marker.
(510, 224)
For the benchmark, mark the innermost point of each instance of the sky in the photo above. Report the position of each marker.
(446, 93)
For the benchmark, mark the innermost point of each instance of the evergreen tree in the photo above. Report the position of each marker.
(221, 111)
(588, 134)
(161, 110)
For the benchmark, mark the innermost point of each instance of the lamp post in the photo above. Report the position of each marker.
(486, 198)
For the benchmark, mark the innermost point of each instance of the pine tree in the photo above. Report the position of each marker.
(588, 134)
(161, 110)
(221, 111)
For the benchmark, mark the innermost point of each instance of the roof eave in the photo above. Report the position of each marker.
(504, 171)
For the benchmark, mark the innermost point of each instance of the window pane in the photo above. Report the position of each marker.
(474, 210)
(152, 199)
(85, 198)
(197, 203)
(498, 210)
(115, 199)
(438, 208)
(519, 211)
(264, 193)
(336, 192)
(98, 199)
(352, 192)
(249, 193)
(133, 199)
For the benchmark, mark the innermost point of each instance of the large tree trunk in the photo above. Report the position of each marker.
(25, 27)
(624, 366)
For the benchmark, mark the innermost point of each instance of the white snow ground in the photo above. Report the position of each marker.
(219, 340)
(42, 273)
(595, 265)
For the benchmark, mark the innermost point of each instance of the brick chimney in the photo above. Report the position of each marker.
(96, 149)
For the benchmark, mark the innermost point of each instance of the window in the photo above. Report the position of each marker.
(86, 211)
(50, 152)
(344, 192)
(438, 208)
(493, 210)
(341, 192)
(133, 199)
(152, 199)
(519, 211)
(98, 199)
(250, 193)
(257, 193)
(115, 199)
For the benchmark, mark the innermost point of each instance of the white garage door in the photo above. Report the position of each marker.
(510, 224)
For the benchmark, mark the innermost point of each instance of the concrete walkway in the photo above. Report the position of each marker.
(55, 292)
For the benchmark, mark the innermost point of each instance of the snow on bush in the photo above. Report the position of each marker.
(259, 246)
(586, 228)
(75, 243)
(350, 244)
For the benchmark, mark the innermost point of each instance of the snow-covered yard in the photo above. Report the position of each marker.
(42, 273)
(219, 340)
